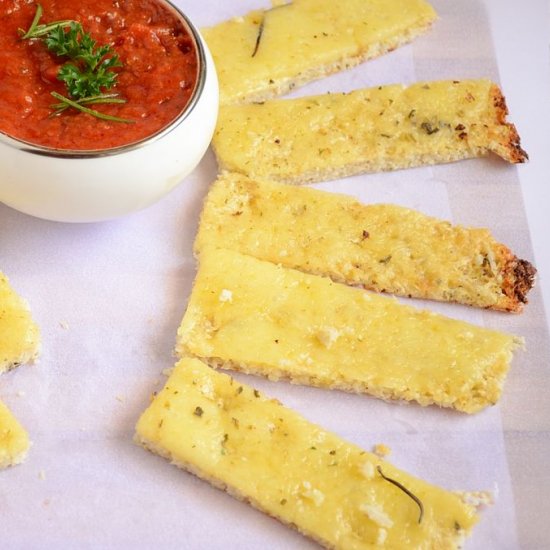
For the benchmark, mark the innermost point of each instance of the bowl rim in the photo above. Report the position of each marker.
(200, 82)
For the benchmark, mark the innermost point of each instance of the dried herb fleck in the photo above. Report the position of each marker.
(256, 393)
(429, 128)
(385, 260)
(223, 450)
(198, 411)
(406, 491)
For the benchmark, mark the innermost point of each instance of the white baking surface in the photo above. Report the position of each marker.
(109, 298)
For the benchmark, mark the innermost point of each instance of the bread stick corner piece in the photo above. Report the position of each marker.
(253, 316)
(14, 441)
(265, 454)
(19, 335)
(269, 52)
(371, 130)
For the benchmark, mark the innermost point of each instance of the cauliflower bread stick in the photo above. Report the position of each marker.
(19, 343)
(269, 456)
(382, 247)
(254, 316)
(268, 52)
(19, 335)
(371, 130)
(14, 441)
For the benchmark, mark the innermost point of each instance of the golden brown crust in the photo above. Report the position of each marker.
(518, 279)
(509, 146)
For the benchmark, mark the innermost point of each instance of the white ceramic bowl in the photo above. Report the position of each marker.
(88, 186)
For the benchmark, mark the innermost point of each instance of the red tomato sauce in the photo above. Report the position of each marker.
(157, 79)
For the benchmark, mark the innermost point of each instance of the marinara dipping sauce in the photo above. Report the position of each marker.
(157, 79)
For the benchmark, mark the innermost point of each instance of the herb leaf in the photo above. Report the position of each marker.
(64, 43)
(91, 71)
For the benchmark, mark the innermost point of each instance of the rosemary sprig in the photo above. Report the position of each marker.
(90, 70)
(262, 26)
(97, 114)
(103, 98)
(259, 36)
(406, 491)
(37, 31)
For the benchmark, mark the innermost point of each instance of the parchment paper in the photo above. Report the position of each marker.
(109, 298)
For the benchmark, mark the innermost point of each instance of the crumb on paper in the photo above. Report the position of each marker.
(167, 371)
(46, 502)
(20, 393)
(42, 475)
(381, 450)
(64, 325)
(477, 499)
(120, 398)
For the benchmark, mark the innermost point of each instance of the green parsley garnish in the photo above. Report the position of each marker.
(88, 74)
